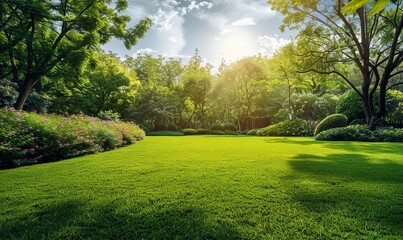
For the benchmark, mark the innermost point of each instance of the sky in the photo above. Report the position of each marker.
(229, 29)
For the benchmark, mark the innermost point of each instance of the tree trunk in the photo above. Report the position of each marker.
(24, 92)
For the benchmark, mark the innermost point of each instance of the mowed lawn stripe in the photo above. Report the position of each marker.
(211, 187)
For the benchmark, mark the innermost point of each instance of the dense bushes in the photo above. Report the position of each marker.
(332, 121)
(216, 127)
(295, 127)
(252, 132)
(350, 104)
(361, 133)
(202, 131)
(165, 133)
(27, 138)
(189, 131)
(217, 132)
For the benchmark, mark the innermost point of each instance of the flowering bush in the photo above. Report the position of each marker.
(28, 138)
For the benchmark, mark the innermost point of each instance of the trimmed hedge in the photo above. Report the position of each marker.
(332, 121)
(165, 133)
(201, 131)
(28, 138)
(189, 131)
(361, 133)
(217, 126)
(295, 127)
(216, 132)
(228, 132)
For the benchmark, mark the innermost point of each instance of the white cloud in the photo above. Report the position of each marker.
(225, 31)
(244, 22)
(173, 2)
(195, 5)
(270, 44)
(145, 51)
(173, 39)
(217, 39)
(163, 20)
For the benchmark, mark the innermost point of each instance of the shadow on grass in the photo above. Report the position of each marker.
(369, 193)
(367, 147)
(71, 220)
(351, 167)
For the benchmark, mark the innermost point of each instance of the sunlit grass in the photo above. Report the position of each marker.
(211, 187)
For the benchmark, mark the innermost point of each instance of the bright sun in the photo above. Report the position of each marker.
(236, 45)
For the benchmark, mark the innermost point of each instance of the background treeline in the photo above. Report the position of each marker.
(167, 94)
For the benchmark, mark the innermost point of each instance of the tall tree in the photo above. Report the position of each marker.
(372, 41)
(37, 35)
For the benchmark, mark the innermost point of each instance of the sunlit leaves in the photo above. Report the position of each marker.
(354, 5)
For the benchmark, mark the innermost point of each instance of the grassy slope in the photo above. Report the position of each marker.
(209, 187)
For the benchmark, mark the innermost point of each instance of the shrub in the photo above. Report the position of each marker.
(189, 131)
(332, 121)
(216, 132)
(227, 132)
(295, 127)
(252, 132)
(361, 133)
(145, 128)
(350, 133)
(350, 104)
(172, 127)
(357, 122)
(217, 126)
(229, 127)
(165, 133)
(27, 138)
(202, 131)
(109, 115)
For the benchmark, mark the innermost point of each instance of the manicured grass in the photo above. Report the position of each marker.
(211, 187)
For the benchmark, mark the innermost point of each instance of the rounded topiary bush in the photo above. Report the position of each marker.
(216, 132)
(202, 131)
(229, 127)
(189, 131)
(216, 127)
(332, 121)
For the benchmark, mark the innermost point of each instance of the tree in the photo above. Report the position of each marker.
(39, 35)
(371, 41)
(197, 85)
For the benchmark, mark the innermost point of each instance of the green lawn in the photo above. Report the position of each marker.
(211, 187)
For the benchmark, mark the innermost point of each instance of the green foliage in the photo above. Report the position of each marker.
(361, 133)
(350, 104)
(8, 93)
(202, 131)
(295, 127)
(313, 107)
(332, 121)
(109, 115)
(216, 132)
(229, 127)
(36, 46)
(217, 127)
(252, 132)
(172, 127)
(189, 131)
(357, 122)
(27, 138)
(229, 132)
(165, 133)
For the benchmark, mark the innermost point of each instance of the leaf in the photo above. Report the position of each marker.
(379, 6)
(354, 5)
